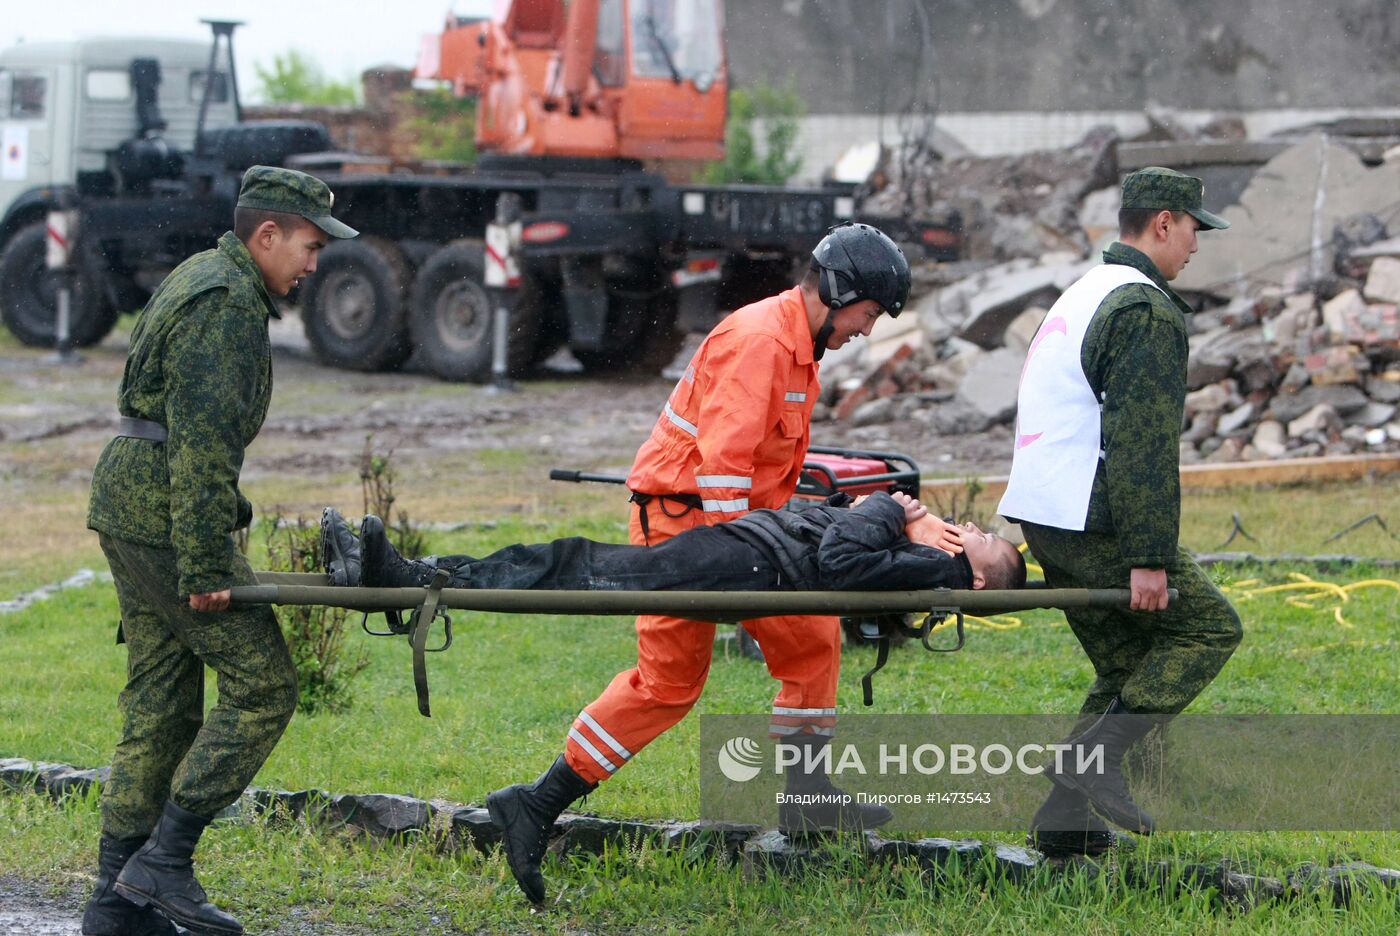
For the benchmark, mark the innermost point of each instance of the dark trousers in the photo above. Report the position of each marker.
(1155, 662)
(169, 749)
(702, 559)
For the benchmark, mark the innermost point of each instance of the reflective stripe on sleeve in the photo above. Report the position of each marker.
(729, 481)
(685, 424)
(794, 397)
(724, 506)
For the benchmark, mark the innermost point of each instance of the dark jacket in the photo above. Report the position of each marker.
(829, 548)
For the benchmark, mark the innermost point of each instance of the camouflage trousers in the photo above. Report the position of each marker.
(169, 749)
(1155, 662)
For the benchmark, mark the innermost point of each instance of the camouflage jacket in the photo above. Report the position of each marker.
(199, 364)
(1134, 356)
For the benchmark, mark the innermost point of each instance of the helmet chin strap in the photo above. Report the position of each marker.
(823, 333)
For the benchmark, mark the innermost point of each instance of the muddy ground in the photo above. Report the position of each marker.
(459, 449)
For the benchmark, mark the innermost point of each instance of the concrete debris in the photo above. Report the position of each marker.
(1294, 349)
(1281, 230)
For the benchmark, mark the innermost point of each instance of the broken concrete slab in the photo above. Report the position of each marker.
(1383, 280)
(1341, 312)
(379, 814)
(1390, 247)
(1021, 332)
(993, 309)
(990, 386)
(1236, 419)
(1344, 398)
(1273, 234)
(1322, 419)
(471, 825)
(773, 852)
(1209, 399)
(1270, 439)
(1383, 389)
(1374, 414)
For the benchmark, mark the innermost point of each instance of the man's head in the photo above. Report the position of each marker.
(1160, 215)
(284, 218)
(856, 274)
(996, 562)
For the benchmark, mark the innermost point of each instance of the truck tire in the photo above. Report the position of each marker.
(641, 339)
(29, 296)
(353, 306)
(452, 321)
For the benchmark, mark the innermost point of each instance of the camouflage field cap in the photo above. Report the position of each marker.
(1159, 188)
(270, 188)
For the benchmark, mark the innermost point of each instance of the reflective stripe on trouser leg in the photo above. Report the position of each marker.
(803, 652)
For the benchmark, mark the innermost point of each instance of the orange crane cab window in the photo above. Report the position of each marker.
(677, 39)
(609, 58)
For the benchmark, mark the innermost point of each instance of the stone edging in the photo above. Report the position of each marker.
(761, 853)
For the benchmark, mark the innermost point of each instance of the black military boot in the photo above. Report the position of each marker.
(110, 914)
(383, 567)
(1064, 825)
(813, 803)
(340, 550)
(1102, 779)
(161, 873)
(525, 814)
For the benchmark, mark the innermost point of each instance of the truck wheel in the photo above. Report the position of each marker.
(453, 320)
(352, 307)
(641, 339)
(29, 296)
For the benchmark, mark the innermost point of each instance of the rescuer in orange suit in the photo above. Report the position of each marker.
(731, 438)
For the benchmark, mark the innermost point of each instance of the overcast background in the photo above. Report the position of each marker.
(343, 37)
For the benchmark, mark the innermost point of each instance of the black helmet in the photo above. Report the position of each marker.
(856, 261)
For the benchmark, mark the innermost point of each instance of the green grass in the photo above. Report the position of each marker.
(507, 691)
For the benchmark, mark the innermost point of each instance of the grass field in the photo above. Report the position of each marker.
(505, 694)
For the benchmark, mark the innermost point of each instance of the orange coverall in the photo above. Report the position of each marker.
(734, 432)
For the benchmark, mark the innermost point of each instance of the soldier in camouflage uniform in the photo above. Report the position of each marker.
(165, 500)
(1127, 377)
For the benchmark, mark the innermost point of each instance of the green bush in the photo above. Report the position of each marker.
(779, 109)
(444, 125)
(315, 634)
(294, 78)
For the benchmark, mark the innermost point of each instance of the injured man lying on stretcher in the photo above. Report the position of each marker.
(882, 542)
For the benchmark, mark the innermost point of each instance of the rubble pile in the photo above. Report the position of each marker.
(1300, 362)
(1010, 206)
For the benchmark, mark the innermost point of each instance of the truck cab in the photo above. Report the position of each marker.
(89, 119)
(67, 107)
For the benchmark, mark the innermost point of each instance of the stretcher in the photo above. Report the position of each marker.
(428, 604)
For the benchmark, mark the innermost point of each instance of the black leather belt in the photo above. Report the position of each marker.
(132, 428)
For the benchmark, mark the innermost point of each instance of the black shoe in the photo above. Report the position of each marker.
(383, 567)
(161, 873)
(1064, 825)
(525, 814)
(340, 551)
(1102, 780)
(110, 914)
(812, 803)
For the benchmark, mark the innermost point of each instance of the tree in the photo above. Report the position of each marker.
(295, 78)
(444, 125)
(778, 109)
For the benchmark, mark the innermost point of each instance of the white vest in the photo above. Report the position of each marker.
(1058, 432)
